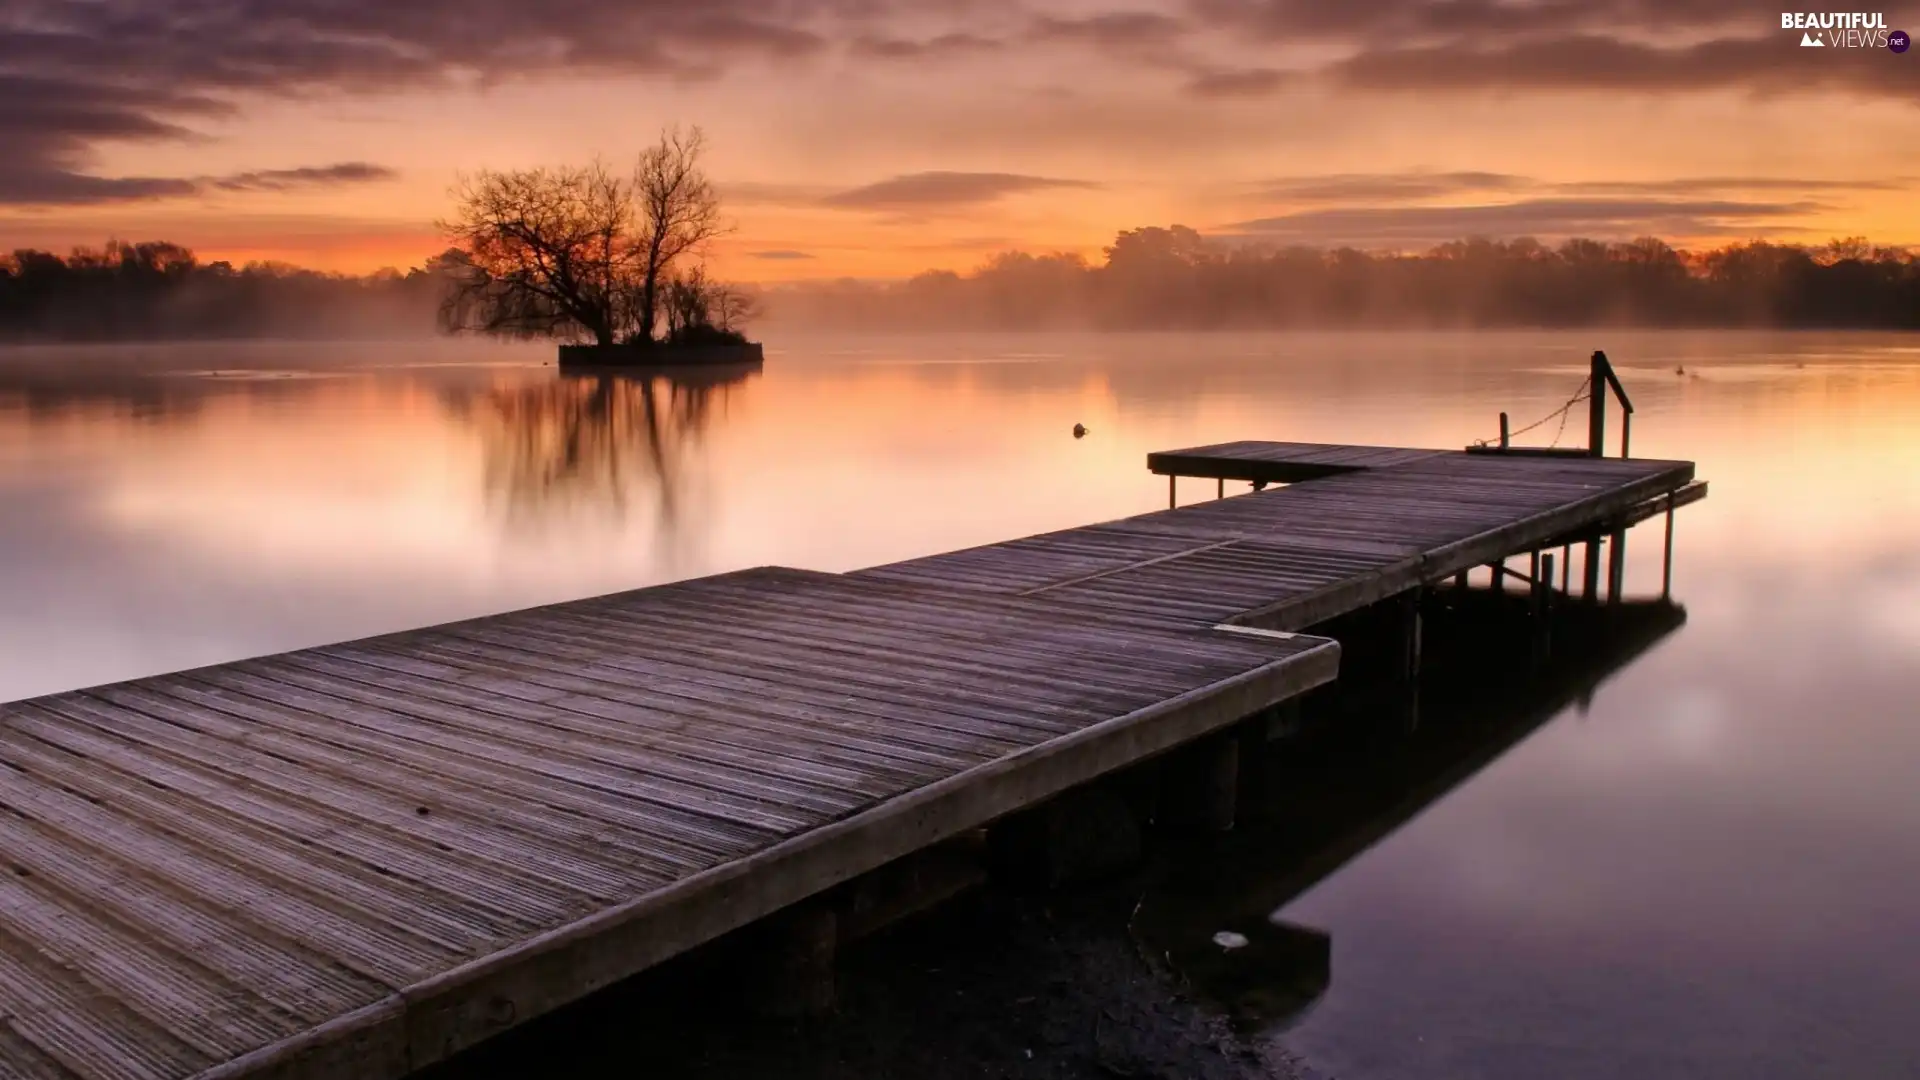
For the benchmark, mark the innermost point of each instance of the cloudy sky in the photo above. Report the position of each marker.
(881, 137)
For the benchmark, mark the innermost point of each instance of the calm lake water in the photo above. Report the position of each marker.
(1714, 871)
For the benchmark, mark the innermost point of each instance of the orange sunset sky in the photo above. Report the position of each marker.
(879, 138)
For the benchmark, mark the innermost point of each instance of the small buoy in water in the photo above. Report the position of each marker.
(1079, 431)
(1227, 939)
(1680, 369)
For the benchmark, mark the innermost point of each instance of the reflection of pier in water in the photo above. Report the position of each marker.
(589, 444)
(1341, 787)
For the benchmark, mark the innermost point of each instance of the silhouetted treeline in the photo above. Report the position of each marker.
(160, 291)
(1158, 278)
(1150, 278)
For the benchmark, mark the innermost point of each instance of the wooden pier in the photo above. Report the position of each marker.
(357, 860)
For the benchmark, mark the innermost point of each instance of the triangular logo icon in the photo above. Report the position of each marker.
(1808, 41)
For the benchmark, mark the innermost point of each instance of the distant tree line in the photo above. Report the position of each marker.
(1173, 278)
(160, 291)
(1150, 278)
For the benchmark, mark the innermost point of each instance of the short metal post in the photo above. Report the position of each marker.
(1505, 440)
(1597, 406)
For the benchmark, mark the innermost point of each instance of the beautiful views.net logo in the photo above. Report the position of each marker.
(1844, 30)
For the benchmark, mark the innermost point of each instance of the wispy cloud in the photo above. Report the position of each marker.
(1404, 226)
(1414, 186)
(347, 172)
(943, 190)
(869, 46)
(1240, 82)
(1392, 186)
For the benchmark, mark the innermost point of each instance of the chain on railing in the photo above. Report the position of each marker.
(1506, 436)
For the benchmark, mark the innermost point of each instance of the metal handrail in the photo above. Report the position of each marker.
(1603, 374)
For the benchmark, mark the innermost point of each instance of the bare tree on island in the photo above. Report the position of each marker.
(582, 253)
(681, 211)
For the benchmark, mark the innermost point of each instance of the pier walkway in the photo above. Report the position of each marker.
(359, 859)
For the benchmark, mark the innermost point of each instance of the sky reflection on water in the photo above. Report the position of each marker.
(1709, 873)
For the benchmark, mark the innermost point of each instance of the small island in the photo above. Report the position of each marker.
(612, 266)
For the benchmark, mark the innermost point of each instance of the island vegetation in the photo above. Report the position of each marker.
(1148, 279)
(586, 254)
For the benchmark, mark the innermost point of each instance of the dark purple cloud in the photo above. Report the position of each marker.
(944, 190)
(77, 74)
(1771, 64)
(1400, 20)
(1627, 46)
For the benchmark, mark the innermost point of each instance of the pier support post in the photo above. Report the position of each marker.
(1220, 491)
(1666, 561)
(1407, 634)
(791, 967)
(1617, 567)
(1590, 573)
(1566, 569)
(1542, 596)
(1173, 484)
(1283, 720)
(1200, 784)
(1079, 835)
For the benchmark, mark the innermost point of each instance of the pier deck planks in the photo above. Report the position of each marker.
(357, 859)
(1371, 522)
(354, 860)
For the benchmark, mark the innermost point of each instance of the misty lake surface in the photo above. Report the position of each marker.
(1713, 871)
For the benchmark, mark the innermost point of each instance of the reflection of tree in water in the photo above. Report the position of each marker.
(596, 444)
